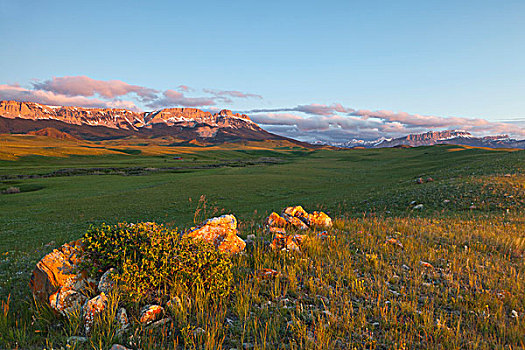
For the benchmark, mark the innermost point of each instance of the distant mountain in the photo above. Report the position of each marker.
(185, 124)
(54, 133)
(454, 137)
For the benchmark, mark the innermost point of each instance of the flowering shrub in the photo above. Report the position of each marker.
(154, 262)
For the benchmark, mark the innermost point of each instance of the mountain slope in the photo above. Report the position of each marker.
(186, 124)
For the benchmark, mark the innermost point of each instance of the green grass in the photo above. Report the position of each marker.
(457, 304)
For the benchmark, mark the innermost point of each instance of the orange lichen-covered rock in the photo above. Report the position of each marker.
(275, 220)
(296, 222)
(57, 269)
(221, 232)
(265, 274)
(150, 313)
(275, 230)
(287, 242)
(319, 219)
(296, 211)
(65, 300)
(91, 308)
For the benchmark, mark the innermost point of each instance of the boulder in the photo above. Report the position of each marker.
(59, 269)
(319, 219)
(150, 313)
(92, 307)
(287, 242)
(275, 220)
(66, 300)
(107, 282)
(221, 232)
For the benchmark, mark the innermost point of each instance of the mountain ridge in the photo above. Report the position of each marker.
(430, 138)
(186, 124)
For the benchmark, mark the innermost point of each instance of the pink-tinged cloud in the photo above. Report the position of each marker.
(231, 93)
(363, 124)
(85, 86)
(313, 109)
(175, 98)
(17, 93)
(184, 88)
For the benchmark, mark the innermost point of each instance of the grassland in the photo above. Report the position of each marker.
(354, 290)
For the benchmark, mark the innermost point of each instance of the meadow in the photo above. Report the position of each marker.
(407, 265)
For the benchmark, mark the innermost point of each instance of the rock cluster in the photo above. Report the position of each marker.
(295, 218)
(59, 281)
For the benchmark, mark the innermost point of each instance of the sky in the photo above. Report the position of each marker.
(313, 70)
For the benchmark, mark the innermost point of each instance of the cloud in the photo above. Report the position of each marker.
(315, 124)
(17, 93)
(87, 92)
(231, 93)
(309, 122)
(85, 86)
(175, 98)
(313, 109)
(184, 88)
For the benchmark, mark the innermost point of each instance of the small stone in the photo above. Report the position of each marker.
(76, 339)
(150, 313)
(118, 347)
(323, 235)
(426, 265)
(198, 331)
(175, 303)
(122, 318)
(159, 323)
(266, 274)
(394, 241)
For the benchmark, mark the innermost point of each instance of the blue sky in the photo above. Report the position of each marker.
(461, 59)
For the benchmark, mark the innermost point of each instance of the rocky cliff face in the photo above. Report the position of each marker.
(122, 118)
(434, 136)
(187, 122)
(453, 137)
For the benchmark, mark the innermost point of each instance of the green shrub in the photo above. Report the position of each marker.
(154, 262)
